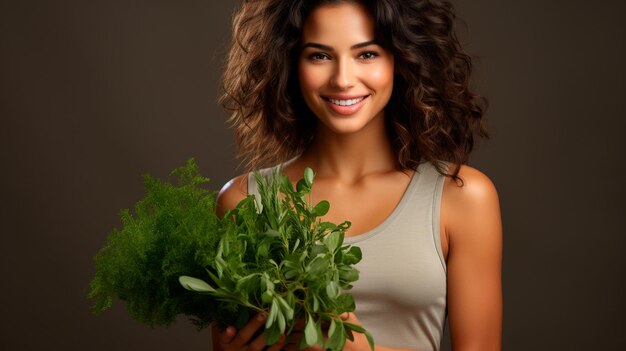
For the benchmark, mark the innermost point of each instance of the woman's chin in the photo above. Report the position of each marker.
(345, 125)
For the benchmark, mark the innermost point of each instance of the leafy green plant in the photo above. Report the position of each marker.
(175, 256)
(173, 231)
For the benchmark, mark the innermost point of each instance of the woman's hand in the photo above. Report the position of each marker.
(232, 339)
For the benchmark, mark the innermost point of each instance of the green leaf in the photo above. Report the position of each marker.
(291, 273)
(194, 284)
(332, 341)
(271, 318)
(281, 321)
(263, 249)
(336, 336)
(318, 249)
(310, 332)
(295, 245)
(332, 290)
(318, 266)
(355, 327)
(301, 209)
(216, 279)
(248, 283)
(328, 226)
(345, 303)
(348, 274)
(292, 261)
(267, 296)
(220, 265)
(344, 225)
(360, 329)
(287, 310)
(349, 334)
(309, 176)
(272, 233)
(266, 282)
(332, 241)
(316, 304)
(291, 299)
(370, 340)
(286, 184)
(302, 187)
(273, 262)
(320, 333)
(321, 208)
(271, 335)
(352, 256)
(304, 255)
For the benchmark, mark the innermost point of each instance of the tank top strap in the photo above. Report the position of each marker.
(428, 191)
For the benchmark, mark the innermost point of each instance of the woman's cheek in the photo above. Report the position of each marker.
(311, 78)
(381, 75)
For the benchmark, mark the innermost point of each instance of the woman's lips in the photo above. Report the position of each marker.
(342, 107)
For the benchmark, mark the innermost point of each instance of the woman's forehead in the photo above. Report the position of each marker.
(348, 23)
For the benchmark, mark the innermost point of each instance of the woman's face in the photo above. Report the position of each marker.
(346, 78)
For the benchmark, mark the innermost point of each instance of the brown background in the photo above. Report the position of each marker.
(96, 93)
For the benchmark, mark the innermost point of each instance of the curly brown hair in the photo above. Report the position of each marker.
(432, 115)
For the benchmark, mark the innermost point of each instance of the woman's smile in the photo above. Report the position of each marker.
(346, 106)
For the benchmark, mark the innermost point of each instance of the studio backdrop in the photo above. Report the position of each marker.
(93, 94)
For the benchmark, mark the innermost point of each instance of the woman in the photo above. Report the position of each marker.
(374, 96)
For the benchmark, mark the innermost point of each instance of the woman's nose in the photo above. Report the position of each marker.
(343, 76)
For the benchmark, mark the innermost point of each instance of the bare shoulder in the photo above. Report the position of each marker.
(232, 192)
(474, 202)
(477, 189)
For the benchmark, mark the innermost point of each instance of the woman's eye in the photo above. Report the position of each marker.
(368, 55)
(318, 56)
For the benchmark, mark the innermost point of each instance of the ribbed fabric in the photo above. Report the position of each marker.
(401, 292)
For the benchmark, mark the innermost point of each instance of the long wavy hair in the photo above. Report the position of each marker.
(432, 115)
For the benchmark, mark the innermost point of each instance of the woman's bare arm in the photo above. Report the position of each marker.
(471, 215)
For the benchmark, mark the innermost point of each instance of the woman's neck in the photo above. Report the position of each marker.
(349, 157)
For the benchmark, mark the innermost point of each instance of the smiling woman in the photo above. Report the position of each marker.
(374, 96)
(346, 80)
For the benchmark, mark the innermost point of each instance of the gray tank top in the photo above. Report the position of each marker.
(401, 292)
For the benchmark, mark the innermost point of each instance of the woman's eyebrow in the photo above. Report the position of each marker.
(330, 48)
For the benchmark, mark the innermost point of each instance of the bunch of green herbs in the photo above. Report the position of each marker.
(270, 255)
(173, 231)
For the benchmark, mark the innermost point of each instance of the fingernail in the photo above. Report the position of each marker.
(230, 331)
(260, 317)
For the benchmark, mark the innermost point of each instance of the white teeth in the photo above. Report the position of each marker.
(346, 102)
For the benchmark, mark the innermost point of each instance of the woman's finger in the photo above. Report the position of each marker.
(227, 335)
(258, 344)
(245, 334)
